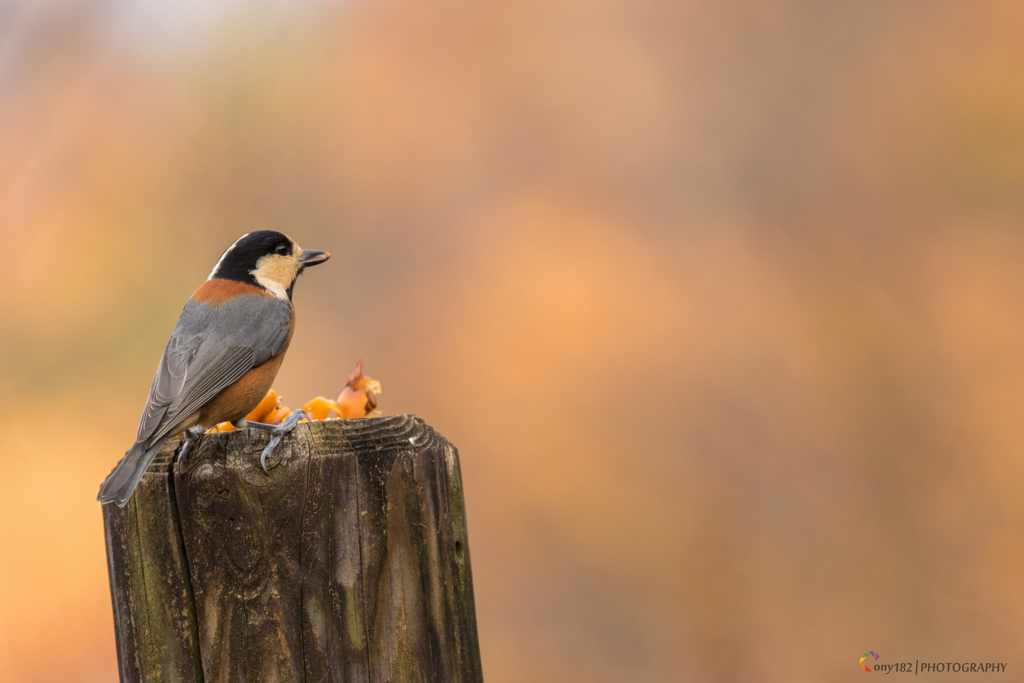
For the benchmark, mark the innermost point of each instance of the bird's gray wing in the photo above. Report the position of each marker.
(197, 375)
(211, 347)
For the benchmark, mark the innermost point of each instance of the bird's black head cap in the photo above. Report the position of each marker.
(266, 259)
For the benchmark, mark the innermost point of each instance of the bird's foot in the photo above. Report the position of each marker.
(278, 432)
(191, 436)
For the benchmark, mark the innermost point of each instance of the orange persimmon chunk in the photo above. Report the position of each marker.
(269, 403)
(278, 415)
(319, 408)
(359, 397)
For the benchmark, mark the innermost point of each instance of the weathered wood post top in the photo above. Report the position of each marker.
(349, 561)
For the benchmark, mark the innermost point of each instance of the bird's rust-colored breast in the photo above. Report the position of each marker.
(240, 398)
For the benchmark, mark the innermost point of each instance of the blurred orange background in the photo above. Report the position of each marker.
(720, 301)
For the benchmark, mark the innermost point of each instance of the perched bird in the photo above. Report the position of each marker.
(223, 354)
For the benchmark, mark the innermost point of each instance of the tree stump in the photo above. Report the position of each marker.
(348, 562)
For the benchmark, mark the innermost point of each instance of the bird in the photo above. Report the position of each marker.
(223, 354)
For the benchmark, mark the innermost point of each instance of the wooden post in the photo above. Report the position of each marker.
(348, 562)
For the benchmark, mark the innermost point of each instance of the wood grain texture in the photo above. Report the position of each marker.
(348, 562)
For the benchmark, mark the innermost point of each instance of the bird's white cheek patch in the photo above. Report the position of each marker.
(273, 287)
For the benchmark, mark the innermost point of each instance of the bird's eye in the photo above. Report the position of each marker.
(283, 249)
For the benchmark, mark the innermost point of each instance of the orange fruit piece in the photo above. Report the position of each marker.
(269, 403)
(351, 404)
(319, 408)
(359, 397)
(358, 381)
(278, 415)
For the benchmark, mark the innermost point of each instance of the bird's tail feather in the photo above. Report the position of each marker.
(118, 486)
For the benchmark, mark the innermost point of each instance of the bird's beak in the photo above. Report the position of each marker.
(311, 257)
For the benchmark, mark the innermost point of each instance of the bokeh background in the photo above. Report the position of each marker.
(721, 301)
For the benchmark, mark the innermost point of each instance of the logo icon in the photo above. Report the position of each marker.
(867, 656)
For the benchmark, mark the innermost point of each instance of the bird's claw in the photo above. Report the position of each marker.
(278, 432)
(190, 437)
